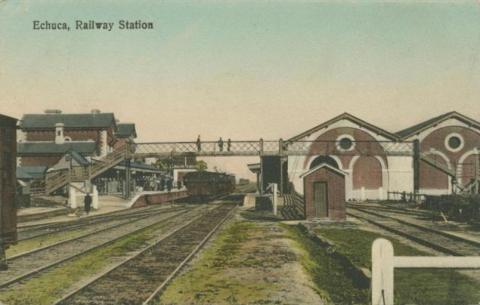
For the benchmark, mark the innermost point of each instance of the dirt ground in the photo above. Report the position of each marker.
(252, 261)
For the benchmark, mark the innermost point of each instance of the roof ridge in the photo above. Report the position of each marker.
(419, 127)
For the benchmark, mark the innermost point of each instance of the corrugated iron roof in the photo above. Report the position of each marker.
(52, 148)
(79, 158)
(436, 120)
(31, 172)
(125, 130)
(354, 119)
(71, 120)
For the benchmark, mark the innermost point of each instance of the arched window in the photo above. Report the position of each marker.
(323, 159)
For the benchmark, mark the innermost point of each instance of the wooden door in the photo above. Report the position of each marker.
(320, 199)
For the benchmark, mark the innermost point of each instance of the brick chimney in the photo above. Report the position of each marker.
(59, 138)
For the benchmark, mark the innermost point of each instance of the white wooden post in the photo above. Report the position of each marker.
(384, 263)
(95, 202)
(275, 198)
(362, 193)
(382, 272)
(72, 197)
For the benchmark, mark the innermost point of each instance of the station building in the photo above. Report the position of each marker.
(56, 141)
(377, 162)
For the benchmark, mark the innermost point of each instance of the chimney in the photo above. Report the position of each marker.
(59, 138)
(53, 111)
(95, 111)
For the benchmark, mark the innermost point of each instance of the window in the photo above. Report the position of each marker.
(454, 142)
(345, 143)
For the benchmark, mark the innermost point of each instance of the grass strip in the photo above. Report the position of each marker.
(51, 285)
(331, 276)
(412, 286)
(42, 241)
(212, 279)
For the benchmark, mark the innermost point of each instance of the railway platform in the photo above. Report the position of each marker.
(108, 204)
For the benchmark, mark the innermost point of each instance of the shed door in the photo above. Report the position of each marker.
(320, 198)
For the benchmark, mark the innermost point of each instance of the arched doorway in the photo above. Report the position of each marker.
(323, 159)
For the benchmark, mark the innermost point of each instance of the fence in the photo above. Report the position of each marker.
(384, 263)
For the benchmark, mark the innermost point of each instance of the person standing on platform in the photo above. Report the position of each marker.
(229, 144)
(169, 185)
(87, 201)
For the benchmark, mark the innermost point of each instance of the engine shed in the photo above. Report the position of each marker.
(324, 192)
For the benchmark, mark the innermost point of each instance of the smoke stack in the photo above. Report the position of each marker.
(59, 138)
(95, 111)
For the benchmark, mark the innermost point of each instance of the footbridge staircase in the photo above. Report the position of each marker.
(472, 187)
(57, 179)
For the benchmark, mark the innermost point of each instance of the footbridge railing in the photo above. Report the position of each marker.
(271, 148)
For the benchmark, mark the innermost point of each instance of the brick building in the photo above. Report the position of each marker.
(451, 140)
(45, 138)
(377, 162)
(73, 144)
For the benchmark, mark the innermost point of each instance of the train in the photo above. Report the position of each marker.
(207, 185)
(8, 179)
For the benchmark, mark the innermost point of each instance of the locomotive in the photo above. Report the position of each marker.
(207, 185)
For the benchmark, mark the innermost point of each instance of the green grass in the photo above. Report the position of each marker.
(332, 279)
(42, 241)
(212, 279)
(50, 286)
(419, 286)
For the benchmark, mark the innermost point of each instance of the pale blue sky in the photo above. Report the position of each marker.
(244, 69)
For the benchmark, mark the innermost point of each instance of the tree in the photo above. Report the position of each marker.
(201, 165)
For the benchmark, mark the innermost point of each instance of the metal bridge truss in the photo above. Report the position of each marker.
(270, 148)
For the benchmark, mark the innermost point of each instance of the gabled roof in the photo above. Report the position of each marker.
(27, 148)
(81, 160)
(326, 165)
(346, 116)
(125, 130)
(6, 121)
(70, 120)
(405, 133)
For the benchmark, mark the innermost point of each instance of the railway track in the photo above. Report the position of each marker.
(391, 209)
(95, 229)
(34, 262)
(434, 239)
(64, 223)
(35, 231)
(141, 278)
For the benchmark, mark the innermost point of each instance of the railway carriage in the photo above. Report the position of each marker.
(205, 184)
(8, 212)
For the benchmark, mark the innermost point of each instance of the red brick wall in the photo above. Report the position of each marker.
(432, 178)
(74, 134)
(40, 160)
(40, 135)
(469, 168)
(367, 173)
(120, 142)
(335, 189)
(331, 148)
